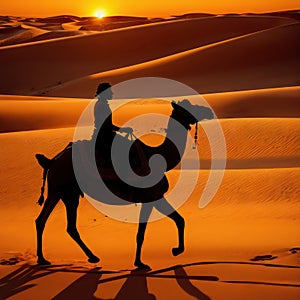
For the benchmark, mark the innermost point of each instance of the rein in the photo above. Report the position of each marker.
(131, 136)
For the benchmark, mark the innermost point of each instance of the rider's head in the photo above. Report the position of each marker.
(104, 91)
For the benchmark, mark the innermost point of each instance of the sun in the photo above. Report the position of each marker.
(100, 13)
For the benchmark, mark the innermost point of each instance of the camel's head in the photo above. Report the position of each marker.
(188, 114)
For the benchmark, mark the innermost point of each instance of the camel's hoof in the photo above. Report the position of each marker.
(43, 262)
(94, 259)
(177, 251)
(141, 266)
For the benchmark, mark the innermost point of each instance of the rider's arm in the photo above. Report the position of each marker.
(115, 128)
(122, 129)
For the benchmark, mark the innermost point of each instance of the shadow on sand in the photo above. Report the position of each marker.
(135, 286)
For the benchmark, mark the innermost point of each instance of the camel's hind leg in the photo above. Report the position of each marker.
(71, 202)
(40, 223)
(165, 208)
(144, 216)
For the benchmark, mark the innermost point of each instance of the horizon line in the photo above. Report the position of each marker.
(157, 16)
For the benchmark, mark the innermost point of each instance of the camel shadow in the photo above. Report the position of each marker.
(82, 288)
(135, 286)
(19, 280)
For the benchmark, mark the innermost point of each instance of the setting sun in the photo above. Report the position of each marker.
(100, 13)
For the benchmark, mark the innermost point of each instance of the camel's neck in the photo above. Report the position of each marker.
(173, 147)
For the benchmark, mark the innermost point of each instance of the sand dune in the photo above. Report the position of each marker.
(46, 26)
(59, 26)
(112, 22)
(268, 132)
(279, 102)
(268, 138)
(47, 112)
(258, 60)
(56, 34)
(21, 34)
(193, 15)
(28, 33)
(245, 186)
(8, 30)
(293, 14)
(112, 26)
(44, 114)
(255, 212)
(75, 57)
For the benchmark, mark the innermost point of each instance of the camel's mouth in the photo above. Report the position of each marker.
(211, 115)
(205, 113)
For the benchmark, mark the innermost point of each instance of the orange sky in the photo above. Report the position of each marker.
(141, 8)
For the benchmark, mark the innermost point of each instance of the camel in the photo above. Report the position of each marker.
(62, 184)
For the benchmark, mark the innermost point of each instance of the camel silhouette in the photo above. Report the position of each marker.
(62, 183)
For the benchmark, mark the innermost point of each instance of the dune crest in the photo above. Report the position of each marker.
(49, 112)
(254, 61)
(74, 57)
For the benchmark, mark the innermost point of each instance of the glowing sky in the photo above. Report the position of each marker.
(139, 8)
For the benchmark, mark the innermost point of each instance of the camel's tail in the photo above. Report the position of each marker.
(45, 164)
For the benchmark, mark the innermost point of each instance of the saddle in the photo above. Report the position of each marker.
(138, 164)
(106, 165)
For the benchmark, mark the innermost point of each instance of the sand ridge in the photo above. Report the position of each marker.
(51, 112)
(90, 54)
(219, 67)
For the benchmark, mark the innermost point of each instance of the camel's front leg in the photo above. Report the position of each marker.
(144, 217)
(165, 208)
(40, 223)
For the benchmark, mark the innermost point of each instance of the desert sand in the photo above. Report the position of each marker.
(244, 244)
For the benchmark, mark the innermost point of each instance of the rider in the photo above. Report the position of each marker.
(104, 129)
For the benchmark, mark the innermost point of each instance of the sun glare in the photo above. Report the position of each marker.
(100, 13)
